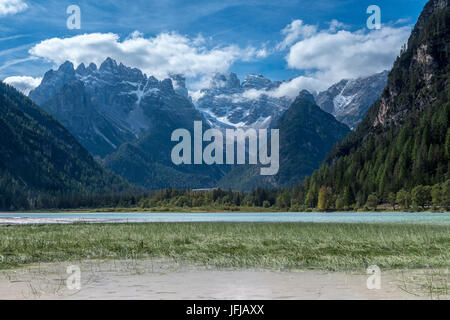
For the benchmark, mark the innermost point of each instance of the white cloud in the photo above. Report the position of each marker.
(262, 53)
(294, 31)
(159, 56)
(329, 57)
(289, 89)
(323, 57)
(23, 83)
(335, 25)
(12, 7)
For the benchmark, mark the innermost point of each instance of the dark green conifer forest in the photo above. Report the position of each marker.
(41, 163)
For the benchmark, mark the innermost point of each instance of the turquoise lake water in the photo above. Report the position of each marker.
(327, 217)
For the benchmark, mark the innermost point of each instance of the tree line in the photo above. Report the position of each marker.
(298, 198)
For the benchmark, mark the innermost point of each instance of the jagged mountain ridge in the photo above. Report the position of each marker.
(126, 118)
(228, 103)
(107, 106)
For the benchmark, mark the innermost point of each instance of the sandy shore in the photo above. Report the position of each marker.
(169, 280)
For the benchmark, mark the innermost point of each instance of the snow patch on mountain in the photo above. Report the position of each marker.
(227, 103)
(349, 100)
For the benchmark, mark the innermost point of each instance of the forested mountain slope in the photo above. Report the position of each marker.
(404, 140)
(40, 160)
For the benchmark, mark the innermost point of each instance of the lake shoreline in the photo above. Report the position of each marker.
(23, 218)
(218, 210)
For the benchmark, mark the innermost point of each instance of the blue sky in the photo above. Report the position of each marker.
(249, 31)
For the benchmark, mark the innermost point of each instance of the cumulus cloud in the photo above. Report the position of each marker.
(160, 56)
(335, 25)
(331, 56)
(294, 31)
(23, 83)
(8, 7)
(291, 89)
(323, 57)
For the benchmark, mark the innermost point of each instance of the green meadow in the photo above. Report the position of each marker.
(276, 246)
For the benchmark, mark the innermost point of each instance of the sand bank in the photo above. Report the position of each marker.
(150, 279)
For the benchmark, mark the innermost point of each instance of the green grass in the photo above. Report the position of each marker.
(240, 245)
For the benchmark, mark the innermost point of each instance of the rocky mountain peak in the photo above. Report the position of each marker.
(92, 67)
(349, 99)
(108, 106)
(166, 85)
(179, 84)
(430, 8)
(305, 96)
(108, 65)
(228, 80)
(256, 81)
(81, 69)
(426, 57)
(66, 67)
